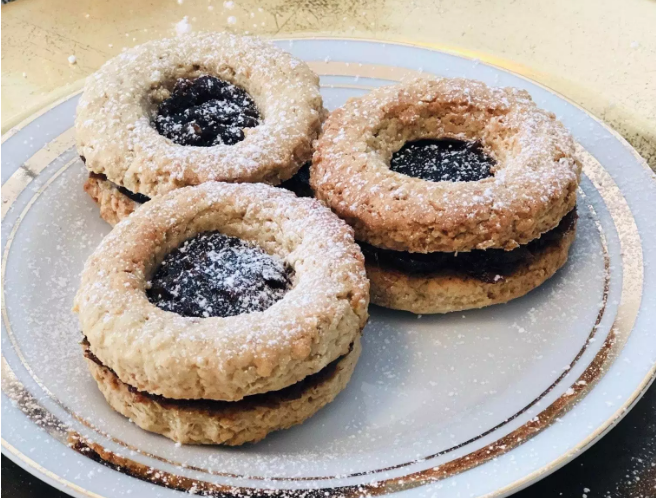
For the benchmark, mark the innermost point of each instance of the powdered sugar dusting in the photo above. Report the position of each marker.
(206, 111)
(442, 160)
(215, 275)
(182, 27)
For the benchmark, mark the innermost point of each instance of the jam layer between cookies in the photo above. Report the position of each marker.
(206, 111)
(299, 184)
(443, 160)
(488, 266)
(269, 399)
(213, 274)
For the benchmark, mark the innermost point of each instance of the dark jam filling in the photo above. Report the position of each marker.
(140, 198)
(270, 399)
(206, 111)
(443, 160)
(213, 274)
(489, 265)
(300, 182)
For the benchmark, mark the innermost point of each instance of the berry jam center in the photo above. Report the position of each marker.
(489, 265)
(213, 274)
(443, 160)
(206, 111)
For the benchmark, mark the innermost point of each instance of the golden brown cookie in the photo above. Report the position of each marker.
(128, 100)
(221, 422)
(224, 358)
(534, 179)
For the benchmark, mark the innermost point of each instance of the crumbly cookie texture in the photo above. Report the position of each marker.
(224, 358)
(443, 293)
(114, 127)
(114, 205)
(533, 187)
(243, 422)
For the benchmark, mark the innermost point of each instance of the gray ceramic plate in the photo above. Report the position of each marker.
(480, 403)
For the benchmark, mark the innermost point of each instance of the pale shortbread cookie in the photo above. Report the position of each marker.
(225, 422)
(443, 293)
(116, 138)
(178, 357)
(533, 187)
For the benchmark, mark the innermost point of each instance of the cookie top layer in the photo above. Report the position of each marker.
(115, 116)
(180, 357)
(534, 180)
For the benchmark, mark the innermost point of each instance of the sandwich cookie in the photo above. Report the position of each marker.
(200, 107)
(222, 312)
(460, 194)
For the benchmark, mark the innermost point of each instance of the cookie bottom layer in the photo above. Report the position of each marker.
(221, 422)
(443, 292)
(114, 205)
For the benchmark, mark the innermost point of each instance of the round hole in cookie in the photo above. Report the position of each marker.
(203, 111)
(444, 159)
(212, 274)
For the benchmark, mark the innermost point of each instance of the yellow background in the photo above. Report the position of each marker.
(599, 53)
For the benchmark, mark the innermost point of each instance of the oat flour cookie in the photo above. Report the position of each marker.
(447, 182)
(222, 292)
(201, 107)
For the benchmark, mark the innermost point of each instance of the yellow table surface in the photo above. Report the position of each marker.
(599, 53)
